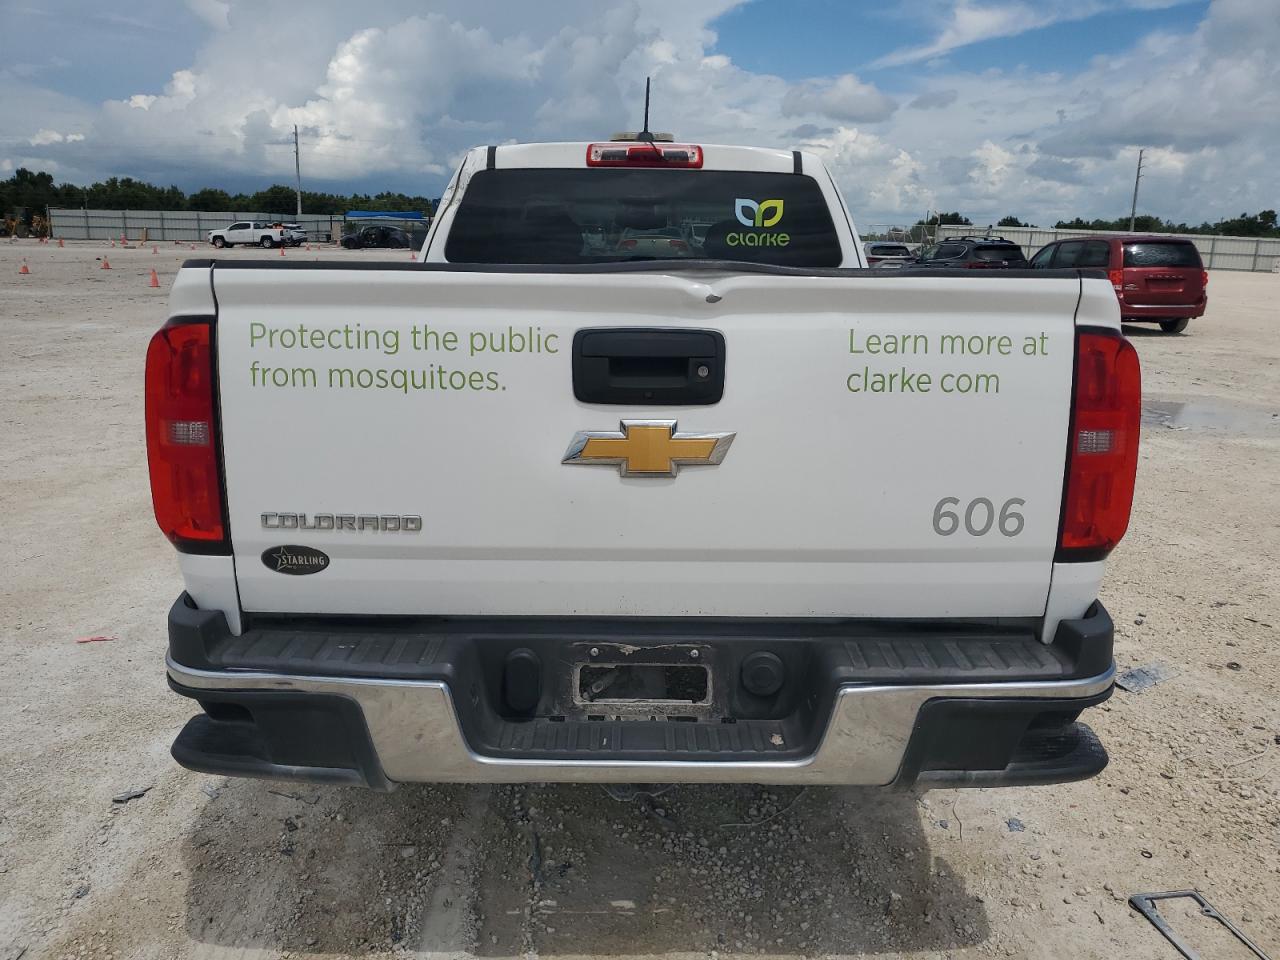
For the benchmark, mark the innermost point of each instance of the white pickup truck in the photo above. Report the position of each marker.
(588, 494)
(258, 233)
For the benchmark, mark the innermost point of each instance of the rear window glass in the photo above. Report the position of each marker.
(1097, 253)
(1068, 254)
(1161, 255)
(999, 253)
(889, 250)
(596, 215)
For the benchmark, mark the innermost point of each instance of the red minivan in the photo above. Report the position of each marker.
(1157, 279)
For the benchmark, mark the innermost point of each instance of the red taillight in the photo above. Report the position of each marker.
(678, 245)
(644, 154)
(182, 440)
(1117, 278)
(1102, 457)
(1204, 277)
(629, 244)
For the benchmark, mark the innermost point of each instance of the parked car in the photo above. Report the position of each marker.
(972, 253)
(260, 233)
(664, 242)
(294, 234)
(496, 580)
(1157, 279)
(377, 236)
(887, 256)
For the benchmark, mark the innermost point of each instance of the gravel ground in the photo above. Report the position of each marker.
(207, 867)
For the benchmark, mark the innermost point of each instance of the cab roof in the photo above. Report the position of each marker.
(574, 154)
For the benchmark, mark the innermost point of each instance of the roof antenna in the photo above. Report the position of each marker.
(645, 134)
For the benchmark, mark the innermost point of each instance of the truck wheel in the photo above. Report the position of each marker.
(266, 242)
(1175, 326)
(219, 242)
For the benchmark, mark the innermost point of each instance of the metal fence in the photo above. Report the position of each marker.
(182, 225)
(1218, 253)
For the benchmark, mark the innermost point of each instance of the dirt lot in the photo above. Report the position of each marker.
(207, 867)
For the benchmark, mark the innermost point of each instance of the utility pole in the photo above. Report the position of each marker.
(297, 168)
(1133, 210)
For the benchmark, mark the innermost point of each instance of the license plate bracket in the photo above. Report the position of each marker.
(687, 684)
(641, 680)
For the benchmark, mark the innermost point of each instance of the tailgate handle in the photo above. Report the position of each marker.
(650, 366)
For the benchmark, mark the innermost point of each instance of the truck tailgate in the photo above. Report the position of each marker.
(898, 444)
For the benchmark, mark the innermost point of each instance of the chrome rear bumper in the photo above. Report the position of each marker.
(414, 731)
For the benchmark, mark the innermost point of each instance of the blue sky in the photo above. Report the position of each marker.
(1028, 107)
(804, 38)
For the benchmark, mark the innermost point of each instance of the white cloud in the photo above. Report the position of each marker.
(1056, 170)
(841, 98)
(874, 174)
(44, 137)
(934, 100)
(972, 21)
(386, 95)
(216, 13)
(993, 168)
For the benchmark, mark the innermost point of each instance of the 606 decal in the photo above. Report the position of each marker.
(978, 517)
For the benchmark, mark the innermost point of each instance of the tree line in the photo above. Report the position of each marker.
(1261, 224)
(33, 191)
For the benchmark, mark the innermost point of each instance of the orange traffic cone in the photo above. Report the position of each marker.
(155, 249)
(60, 243)
(308, 248)
(155, 281)
(106, 264)
(282, 251)
(113, 244)
(24, 269)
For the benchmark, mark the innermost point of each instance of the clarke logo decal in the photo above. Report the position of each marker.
(760, 216)
(766, 213)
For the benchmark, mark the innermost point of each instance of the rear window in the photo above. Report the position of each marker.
(1009, 252)
(945, 251)
(582, 216)
(1161, 255)
(889, 250)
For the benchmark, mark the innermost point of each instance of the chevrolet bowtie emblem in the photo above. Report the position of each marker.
(647, 448)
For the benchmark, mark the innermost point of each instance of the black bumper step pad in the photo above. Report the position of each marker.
(423, 648)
